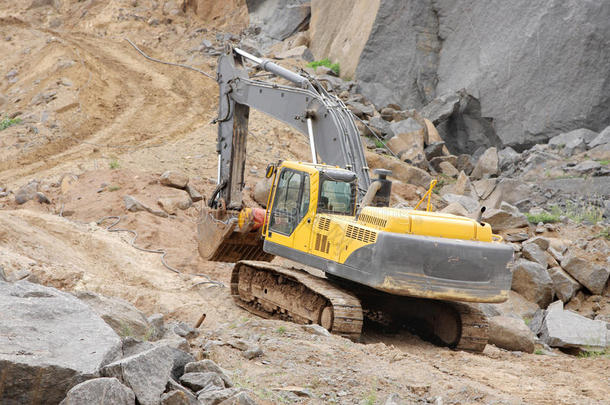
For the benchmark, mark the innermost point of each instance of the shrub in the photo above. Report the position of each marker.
(325, 62)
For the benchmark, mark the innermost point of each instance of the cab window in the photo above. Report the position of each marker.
(337, 197)
(291, 201)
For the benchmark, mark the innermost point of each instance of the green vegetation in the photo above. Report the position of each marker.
(586, 354)
(370, 397)
(539, 351)
(545, 217)
(604, 162)
(527, 321)
(9, 122)
(604, 233)
(325, 62)
(114, 188)
(281, 330)
(576, 212)
(114, 164)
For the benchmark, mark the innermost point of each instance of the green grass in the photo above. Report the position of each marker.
(604, 162)
(325, 62)
(576, 212)
(527, 321)
(587, 354)
(114, 188)
(114, 164)
(545, 217)
(604, 233)
(9, 122)
(539, 351)
(281, 330)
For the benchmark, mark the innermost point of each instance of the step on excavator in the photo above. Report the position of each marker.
(366, 260)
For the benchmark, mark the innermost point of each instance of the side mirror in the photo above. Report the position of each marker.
(270, 170)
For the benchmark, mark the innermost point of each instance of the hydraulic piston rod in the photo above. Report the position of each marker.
(275, 69)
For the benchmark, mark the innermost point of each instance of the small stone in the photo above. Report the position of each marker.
(92, 391)
(252, 353)
(193, 193)
(208, 365)
(241, 398)
(205, 381)
(217, 396)
(542, 242)
(172, 204)
(533, 252)
(316, 330)
(172, 178)
(41, 198)
(511, 334)
(27, 192)
(448, 170)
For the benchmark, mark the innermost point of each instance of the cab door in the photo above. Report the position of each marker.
(287, 222)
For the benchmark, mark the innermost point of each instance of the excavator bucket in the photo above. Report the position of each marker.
(220, 239)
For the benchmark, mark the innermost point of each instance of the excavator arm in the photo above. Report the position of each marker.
(306, 106)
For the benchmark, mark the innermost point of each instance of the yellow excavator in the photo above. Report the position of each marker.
(365, 259)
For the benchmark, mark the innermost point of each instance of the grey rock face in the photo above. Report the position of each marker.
(563, 284)
(591, 275)
(279, 19)
(100, 391)
(50, 342)
(540, 55)
(412, 61)
(532, 281)
(124, 318)
(563, 328)
(511, 334)
(146, 373)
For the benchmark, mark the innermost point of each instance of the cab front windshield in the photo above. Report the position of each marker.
(336, 196)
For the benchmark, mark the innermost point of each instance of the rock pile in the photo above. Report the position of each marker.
(76, 349)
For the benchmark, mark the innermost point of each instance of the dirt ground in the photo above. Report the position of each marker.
(88, 102)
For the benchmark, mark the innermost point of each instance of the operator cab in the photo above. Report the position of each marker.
(295, 200)
(338, 192)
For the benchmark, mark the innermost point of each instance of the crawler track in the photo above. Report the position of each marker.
(272, 291)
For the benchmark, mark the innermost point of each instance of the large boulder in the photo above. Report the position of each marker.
(532, 281)
(533, 252)
(100, 391)
(562, 328)
(505, 217)
(124, 318)
(591, 275)
(511, 334)
(146, 373)
(50, 341)
(487, 165)
(602, 139)
(563, 284)
(512, 90)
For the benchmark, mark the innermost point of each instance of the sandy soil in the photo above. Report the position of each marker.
(87, 99)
